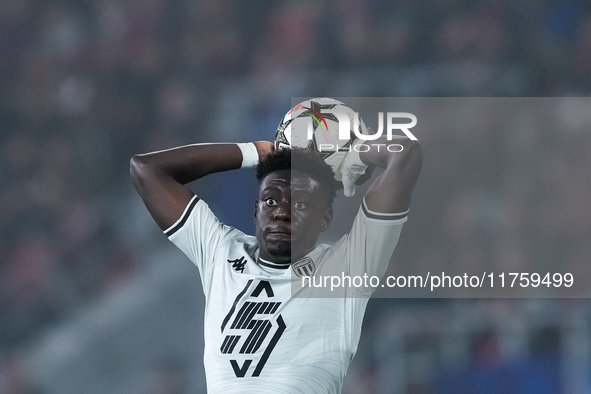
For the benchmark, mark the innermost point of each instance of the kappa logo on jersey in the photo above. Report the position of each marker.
(304, 267)
(252, 333)
(238, 264)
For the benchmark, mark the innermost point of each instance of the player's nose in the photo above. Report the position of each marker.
(282, 212)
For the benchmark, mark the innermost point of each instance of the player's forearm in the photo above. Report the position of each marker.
(186, 163)
(392, 190)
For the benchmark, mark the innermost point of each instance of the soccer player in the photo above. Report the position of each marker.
(262, 333)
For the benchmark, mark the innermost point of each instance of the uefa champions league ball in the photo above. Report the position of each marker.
(314, 125)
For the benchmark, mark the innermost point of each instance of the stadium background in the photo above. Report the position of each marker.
(93, 299)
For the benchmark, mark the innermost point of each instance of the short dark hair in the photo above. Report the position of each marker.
(304, 161)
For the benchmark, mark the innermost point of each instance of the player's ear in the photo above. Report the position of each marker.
(256, 208)
(326, 219)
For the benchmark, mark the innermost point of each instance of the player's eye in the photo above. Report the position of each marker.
(270, 202)
(299, 205)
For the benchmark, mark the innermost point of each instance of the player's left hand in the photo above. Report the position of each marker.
(351, 169)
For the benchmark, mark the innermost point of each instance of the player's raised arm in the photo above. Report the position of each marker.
(401, 158)
(160, 177)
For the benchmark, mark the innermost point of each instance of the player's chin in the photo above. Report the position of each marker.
(279, 250)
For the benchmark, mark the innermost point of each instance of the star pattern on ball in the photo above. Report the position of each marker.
(315, 110)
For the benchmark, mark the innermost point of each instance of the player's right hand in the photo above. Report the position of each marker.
(264, 148)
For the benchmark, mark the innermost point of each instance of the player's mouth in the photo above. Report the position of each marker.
(279, 233)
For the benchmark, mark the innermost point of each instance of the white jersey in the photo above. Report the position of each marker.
(260, 336)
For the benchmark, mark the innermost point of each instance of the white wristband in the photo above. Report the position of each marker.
(250, 155)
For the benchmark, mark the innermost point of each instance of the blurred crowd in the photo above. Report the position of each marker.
(84, 85)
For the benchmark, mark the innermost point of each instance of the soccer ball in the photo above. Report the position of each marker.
(313, 125)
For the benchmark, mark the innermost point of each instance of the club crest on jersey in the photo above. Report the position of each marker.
(238, 264)
(304, 267)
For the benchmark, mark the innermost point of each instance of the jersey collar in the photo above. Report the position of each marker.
(270, 264)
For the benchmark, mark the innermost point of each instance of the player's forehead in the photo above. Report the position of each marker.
(290, 181)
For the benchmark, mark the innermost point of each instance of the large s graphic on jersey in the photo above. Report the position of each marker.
(251, 332)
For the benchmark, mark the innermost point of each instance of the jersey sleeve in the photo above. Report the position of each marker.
(198, 233)
(370, 244)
